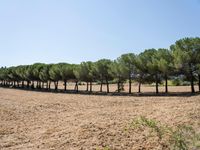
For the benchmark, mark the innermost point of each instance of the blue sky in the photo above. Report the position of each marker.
(73, 31)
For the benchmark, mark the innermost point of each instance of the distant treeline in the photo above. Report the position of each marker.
(182, 60)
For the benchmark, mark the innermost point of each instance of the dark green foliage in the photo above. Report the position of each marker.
(44, 73)
(150, 66)
(101, 72)
(117, 71)
(54, 74)
(180, 63)
(66, 73)
(186, 53)
(165, 64)
(86, 72)
(127, 62)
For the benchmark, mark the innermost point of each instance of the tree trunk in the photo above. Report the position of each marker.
(65, 85)
(107, 86)
(130, 85)
(42, 85)
(157, 84)
(199, 81)
(49, 85)
(39, 85)
(56, 85)
(76, 87)
(139, 87)
(28, 84)
(101, 86)
(166, 84)
(22, 84)
(118, 86)
(32, 86)
(87, 87)
(192, 82)
(90, 86)
(157, 87)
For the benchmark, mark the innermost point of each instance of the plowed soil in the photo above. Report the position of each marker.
(41, 120)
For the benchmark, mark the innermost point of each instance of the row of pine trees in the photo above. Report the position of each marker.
(150, 66)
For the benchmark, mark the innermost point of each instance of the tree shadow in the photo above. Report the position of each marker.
(142, 94)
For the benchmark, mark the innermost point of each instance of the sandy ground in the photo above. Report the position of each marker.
(113, 88)
(39, 120)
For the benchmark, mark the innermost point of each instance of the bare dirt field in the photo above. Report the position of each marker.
(40, 120)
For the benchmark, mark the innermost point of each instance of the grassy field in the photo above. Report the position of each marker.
(41, 120)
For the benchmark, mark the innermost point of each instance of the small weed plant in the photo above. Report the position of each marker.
(180, 138)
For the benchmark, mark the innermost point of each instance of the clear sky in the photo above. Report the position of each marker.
(73, 31)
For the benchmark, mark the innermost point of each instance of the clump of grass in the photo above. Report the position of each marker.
(150, 123)
(180, 138)
(184, 138)
(104, 148)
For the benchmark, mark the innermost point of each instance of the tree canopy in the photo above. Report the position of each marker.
(150, 66)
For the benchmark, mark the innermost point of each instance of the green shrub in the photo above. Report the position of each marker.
(176, 82)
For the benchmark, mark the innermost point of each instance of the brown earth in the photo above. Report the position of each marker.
(39, 120)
